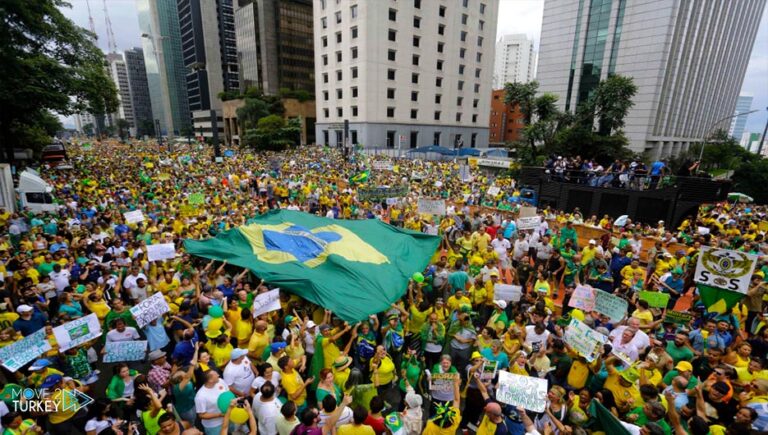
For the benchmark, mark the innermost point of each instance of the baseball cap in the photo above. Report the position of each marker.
(311, 324)
(476, 355)
(324, 327)
(495, 273)
(277, 347)
(500, 303)
(592, 242)
(684, 366)
(40, 364)
(24, 308)
(51, 380)
(237, 353)
(289, 319)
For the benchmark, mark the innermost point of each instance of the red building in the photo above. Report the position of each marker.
(506, 121)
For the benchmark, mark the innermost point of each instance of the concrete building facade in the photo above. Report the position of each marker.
(515, 60)
(140, 100)
(687, 57)
(404, 73)
(743, 105)
(274, 45)
(506, 121)
(166, 74)
(119, 74)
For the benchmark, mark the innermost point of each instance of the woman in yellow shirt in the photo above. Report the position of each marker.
(243, 328)
(382, 369)
(94, 300)
(740, 357)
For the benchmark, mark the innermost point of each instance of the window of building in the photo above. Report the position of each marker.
(354, 72)
(324, 40)
(441, 29)
(479, 57)
(414, 113)
(354, 32)
(338, 37)
(441, 11)
(440, 47)
(463, 36)
(325, 77)
(461, 85)
(482, 8)
(462, 52)
(438, 97)
(458, 117)
(477, 88)
(354, 91)
(325, 59)
(322, 4)
(390, 112)
(417, 22)
(439, 82)
(477, 72)
(390, 74)
(391, 138)
(461, 69)
(439, 64)
(459, 101)
(414, 96)
(415, 60)
(417, 4)
(391, 93)
(339, 94)
(353, 11)
(437, 115)
(339, 75)
(354, 110)
(465, 3)
(325, 95)
(324, 22)
(475, 102)
(339, 112)
(391, 55)
(354, 52)
(353, 133)
(415, 78)
(338, 17)
(481, 24)
(474, 120)
(392, 35)
(338, 56)
(392, 15)
(464, 19)
(414, 139)
(416, 41)
(326, 113)
(479, 41)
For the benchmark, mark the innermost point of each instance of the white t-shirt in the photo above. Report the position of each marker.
(98, 425)
(521, 248)
(206, 401)
(534, 340)
(266, 414)
(60, 279)
(130, 281)
(344, 418)
(501, 247)
(239, 376)
(129, 334)
(259, 381)
(640, 340)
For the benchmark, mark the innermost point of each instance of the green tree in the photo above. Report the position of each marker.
(122, 128)
(145, 127)
(523, 95)
(611, 103)
(229, 95)
(47, 64)
(274, 133)
(751, 177)
(88, 129)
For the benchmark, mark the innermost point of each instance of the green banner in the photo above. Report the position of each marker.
(655, 299)
(678, 318)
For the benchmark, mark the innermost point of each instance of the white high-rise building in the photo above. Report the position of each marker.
(687, 57)
(515, 60)
(743, 105)
(404, 74)
(119, 74)
(83, 119)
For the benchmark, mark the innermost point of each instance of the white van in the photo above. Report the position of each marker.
(35, 193)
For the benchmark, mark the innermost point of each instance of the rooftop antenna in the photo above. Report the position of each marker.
(111, 43)
(91, 26)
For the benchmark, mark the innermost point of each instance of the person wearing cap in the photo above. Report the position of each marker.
(276, 351)
(29, 321)
(326, 350)
(40, 370)
(239, 373)
(62, 420)
(623, 384)
(159, 374)
(219, 345)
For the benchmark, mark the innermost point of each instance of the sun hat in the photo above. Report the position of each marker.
(342, 362)
(476, 355)
(155, 355)
(500, 303)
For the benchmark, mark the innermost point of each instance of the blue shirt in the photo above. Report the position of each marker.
(228, 291)
(501, 358)
(156, 336)
(656, 167)
(28, 327)
(676, 284)
(185, 350)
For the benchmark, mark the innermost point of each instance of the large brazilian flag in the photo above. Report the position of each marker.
(354, 268)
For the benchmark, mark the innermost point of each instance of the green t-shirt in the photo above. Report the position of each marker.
(672, 374)
(679, 353)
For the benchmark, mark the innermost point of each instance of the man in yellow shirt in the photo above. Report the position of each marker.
(622, 385)
(295, 388)
(457, 300)
(259, 341)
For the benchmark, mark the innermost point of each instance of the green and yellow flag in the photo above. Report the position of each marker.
(353, 268)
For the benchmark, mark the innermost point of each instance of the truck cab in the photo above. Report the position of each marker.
(35, 193)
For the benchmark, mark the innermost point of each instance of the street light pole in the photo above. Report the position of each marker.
(762, 138)
(704, 138)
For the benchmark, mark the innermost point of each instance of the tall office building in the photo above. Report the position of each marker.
(743, 105)
(688, 59)
(166, 74)
(119, 74)
(404, 74)
(515, 60)
(83, 119)
(209, 49)
(274, 45)
(140, 100)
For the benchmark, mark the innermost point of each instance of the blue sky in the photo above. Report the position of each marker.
(517, 16)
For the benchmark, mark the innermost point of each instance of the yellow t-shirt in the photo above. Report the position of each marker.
(622, 394)
(291, 384)
(645, 317)
(330, 352)
(7, 319)
(578, 374)
(386, 371)
(454, 303)
(433, 429)
(351, 429)
(220, 355)
(61, 413)
(746, 377)
(258, 342)
(243, 330)
(164, 287)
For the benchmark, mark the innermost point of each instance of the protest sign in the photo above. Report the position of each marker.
(383, 166)
(391, 201)
(77, 332)
(442, 381)
(125, 351)
(612, 306)
(432, 206)
(655, 299)
(678, 318)
(493, 190)
(149, 309)
(189, 210)
(725, 269)
(528, 223)
(526, 212)
(525, 391)
(584, 340)
(464, 174)
(489, 370)
(506, 292)
(17, 354)
(266, 302)
(161, 251)
(623, 357)
(583, 298)
(196, 199)
(381, 193)
(133, 217)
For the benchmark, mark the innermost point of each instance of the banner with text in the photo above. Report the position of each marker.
(116, 351)
(442, 381)
(266, 302)
(133, 217)
(584, 340)
(161, 251)
(525, 391)
(583, 298)
(432, 206)
(610, 305)
(725, 269)
(655, 299)
(150, 309)
(528, 223)
(507, 292)
(17, 354)
(77, 332)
